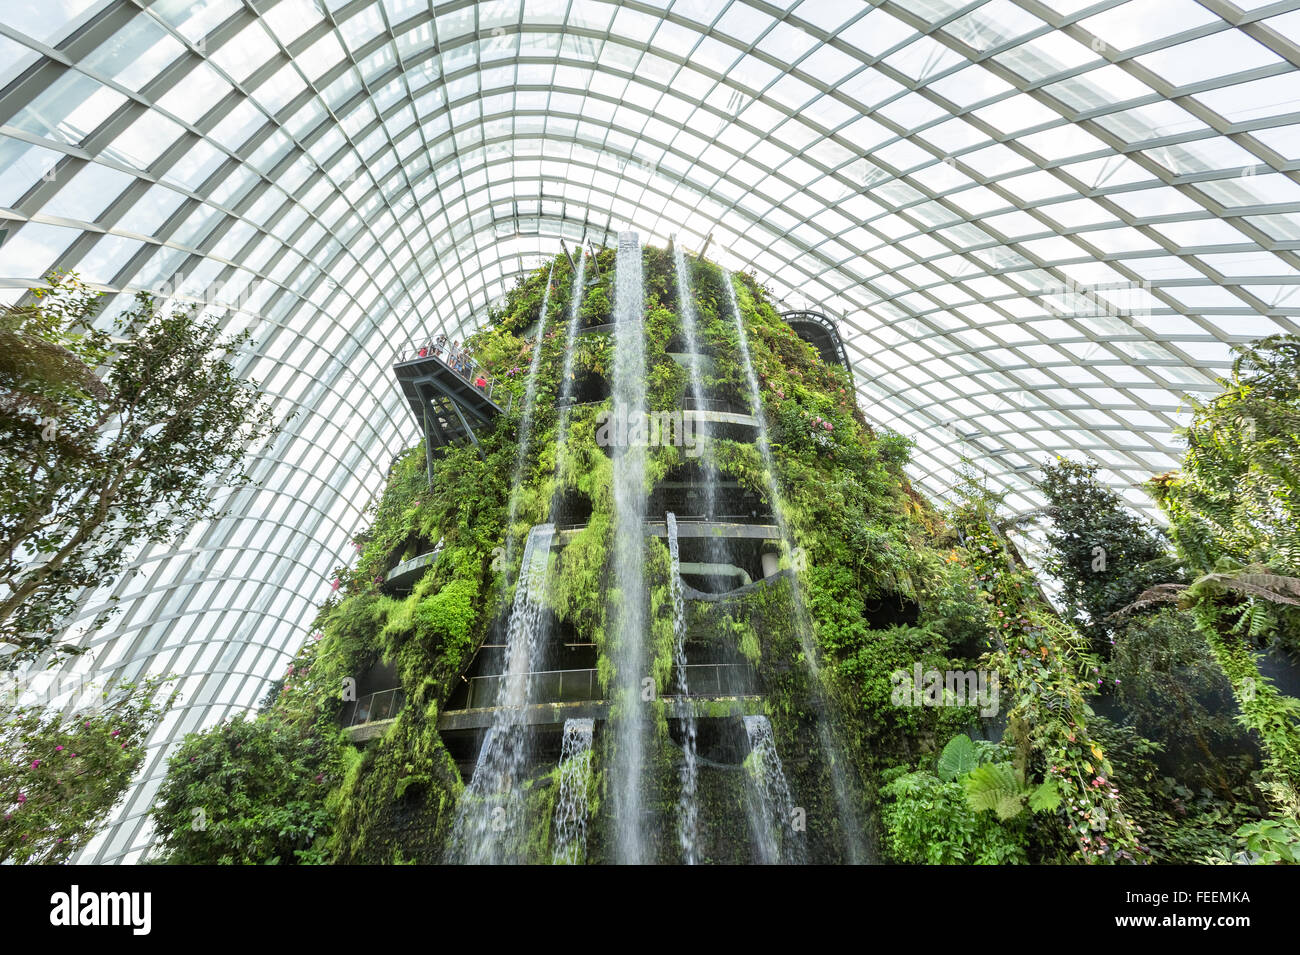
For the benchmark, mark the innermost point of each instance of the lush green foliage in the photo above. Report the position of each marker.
(60, 774)
(928, 820)
(1102, 553)
(1234, 512)
(249, 791)
(89, 468)
(887, 583)
(1048, 670)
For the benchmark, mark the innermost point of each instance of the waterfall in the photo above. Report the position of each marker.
(714, 546)
(769, 803)
(490, 823)
(629, 717)
(570, 339)
(830, 750)
(687, 803)
(526, 421)
(570, 845)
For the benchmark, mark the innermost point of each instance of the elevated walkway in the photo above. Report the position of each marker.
(405, 575)
(447, 405)
(688, 527)
(822, 332)
(551, 716)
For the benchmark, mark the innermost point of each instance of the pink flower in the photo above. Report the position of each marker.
(58, 749)
(124, 745)
(35, 763)
(22, 798)
(115, 732)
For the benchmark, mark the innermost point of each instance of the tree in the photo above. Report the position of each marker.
(60, 774)
(94, 466)
(41, 364)
(1234, 512)
(1167, 680)
(1103, 554)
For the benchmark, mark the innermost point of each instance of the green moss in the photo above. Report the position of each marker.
(862, 537)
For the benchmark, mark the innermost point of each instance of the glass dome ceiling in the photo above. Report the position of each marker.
(1040, 223)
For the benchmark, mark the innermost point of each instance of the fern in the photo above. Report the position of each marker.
(996, 787)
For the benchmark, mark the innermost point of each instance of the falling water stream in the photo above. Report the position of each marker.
(629, 716)
(769, 803)
(490, 823)
(570, 846)
(526, 421)
(695, 367)
(844, 800)
(570, 339)
(490, 819)
(688, 812)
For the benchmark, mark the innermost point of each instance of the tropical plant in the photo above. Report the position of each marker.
(95, 465)
(930, 821)
(61, 773)
(1234, 512)
(1101, 552)
(247, 791)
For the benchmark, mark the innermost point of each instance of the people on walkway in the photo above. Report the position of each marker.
(457, 359)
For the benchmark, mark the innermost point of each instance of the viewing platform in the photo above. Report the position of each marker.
(449, 398)
(404, 576)
(822, 332)
(691, 528)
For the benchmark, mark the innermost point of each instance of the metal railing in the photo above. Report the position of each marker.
(460, 363)
(571, 686)
(760, 520)
(414, 563)
(690, 403)
(830, 325)
(380, 705)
